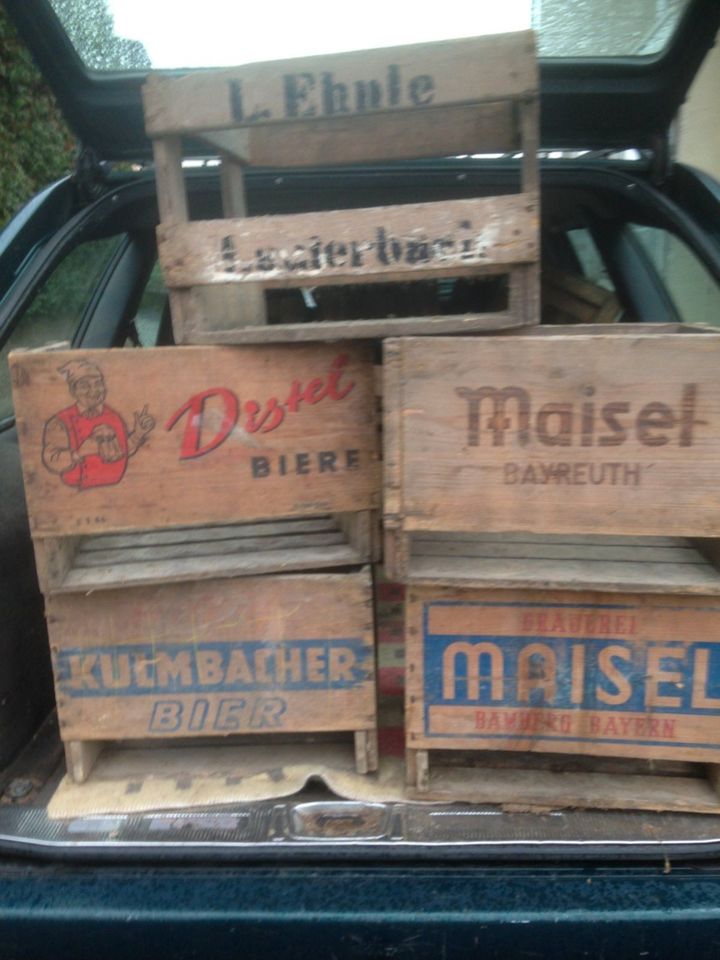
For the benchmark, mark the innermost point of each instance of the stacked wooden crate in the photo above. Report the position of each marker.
(184, 530)
(551, 503)
(176, 498)
(429, 100)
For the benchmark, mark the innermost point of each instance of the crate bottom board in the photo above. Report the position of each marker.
(563, 783)
(561, 562)
(82, 756)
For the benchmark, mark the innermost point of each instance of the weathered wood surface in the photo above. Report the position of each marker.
(414, 77)
(200, 328)
(368, 138)
(540, 791)
(195, 436)
(567, 298)
(405, 242)
(553, 434)
(265, 655)
(627, 675)
(201, 553)
(549, 562)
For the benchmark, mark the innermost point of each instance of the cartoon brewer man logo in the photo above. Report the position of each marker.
(88, 444)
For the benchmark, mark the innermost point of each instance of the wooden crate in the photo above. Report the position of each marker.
(201, 462)
(427, 100)
(572, 435)
(276, 656)
(558, 672)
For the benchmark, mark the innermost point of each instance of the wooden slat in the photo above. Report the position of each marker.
(442, 132)
(150, 538)
(645, 543)
(438, 546)
(201, 330)
(407, 78)
(214, 548)
(406, 242)
(547, 573)
(82, 579)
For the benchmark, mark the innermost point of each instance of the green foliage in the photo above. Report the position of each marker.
(90, 26)
(36, 146)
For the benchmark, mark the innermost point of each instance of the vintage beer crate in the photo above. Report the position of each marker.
(158, 465)
(492, 444)
(273, 655)
(427, 100)
(559, 672)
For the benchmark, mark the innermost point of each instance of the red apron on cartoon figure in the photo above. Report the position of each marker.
(88, 444)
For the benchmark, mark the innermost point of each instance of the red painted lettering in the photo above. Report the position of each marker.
(195, 407)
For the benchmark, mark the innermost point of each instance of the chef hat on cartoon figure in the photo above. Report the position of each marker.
(75, 370)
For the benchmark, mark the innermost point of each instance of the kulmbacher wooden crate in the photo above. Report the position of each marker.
(249, 656)
(561, 672)
(510, 460)
(158, 465)
(427, 100)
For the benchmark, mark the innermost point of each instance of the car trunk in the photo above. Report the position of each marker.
(592, 105)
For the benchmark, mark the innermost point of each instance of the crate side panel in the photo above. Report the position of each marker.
(588, 674)
(558, 434)
(415, 78)
(254, 655)
(405, 242)
(195, 436)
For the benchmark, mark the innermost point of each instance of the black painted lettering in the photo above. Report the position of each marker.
(422, 90)
(334, 96)
(393, 85)
(352, 459)
(609, 415)
(335, 254)
(260, 467)
(687, 414)
(302, 463)
(326, 461)
(554, 424)
(297, 88)
(654, 416)
(368, 95)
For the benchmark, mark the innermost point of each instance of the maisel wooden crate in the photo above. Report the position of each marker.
(428, 100)
(589, 674)
(544, 436)
(154, 465)
(273, 655)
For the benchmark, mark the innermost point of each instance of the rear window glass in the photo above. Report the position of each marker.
(112, 35)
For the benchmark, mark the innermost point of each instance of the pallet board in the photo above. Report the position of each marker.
(128, 440)
(588, 673)
(274, 655)
(615, 435)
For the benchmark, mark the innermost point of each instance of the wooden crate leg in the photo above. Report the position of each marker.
(417, 770)
(366, 751)
(80, 757)
(422, 771)
(410, 767)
